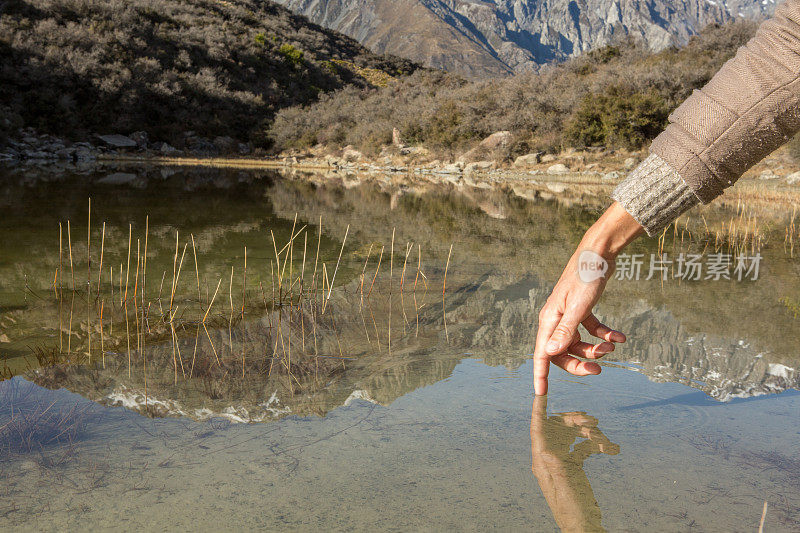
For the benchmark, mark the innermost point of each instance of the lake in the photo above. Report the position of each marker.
(244, 349)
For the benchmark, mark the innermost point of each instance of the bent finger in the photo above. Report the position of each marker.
(591, 351)
(601, 331)
(575, 366)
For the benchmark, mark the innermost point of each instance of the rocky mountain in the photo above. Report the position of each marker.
(483, 38)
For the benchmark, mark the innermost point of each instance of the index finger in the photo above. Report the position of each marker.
(548, 320)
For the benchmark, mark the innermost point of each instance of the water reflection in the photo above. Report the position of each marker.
(558, 464)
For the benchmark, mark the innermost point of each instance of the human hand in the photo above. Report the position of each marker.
(575, 295)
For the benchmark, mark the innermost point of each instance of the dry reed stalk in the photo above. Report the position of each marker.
(144, 264)
(363, 274)
(60, 259)
(277, 261)
(197, 273)
(213, 349)
(102, 250)
(230, 317)
(210, 305)
(69, 329)
(135, 305)
(128, 268)
(444, 287)
(377, 269)
(174, 272)
(194, 354)
(128, 338)
(316, 259)
(335, 270)
(244, 282)
(89, 247)
(102, 345)
(763, 517)
(69, 244)
(177, 277)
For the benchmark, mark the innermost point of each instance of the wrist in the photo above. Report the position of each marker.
(612, 232)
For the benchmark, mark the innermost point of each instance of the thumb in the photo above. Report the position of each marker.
(564, 334)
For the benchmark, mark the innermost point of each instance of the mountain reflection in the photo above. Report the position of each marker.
(558, 465)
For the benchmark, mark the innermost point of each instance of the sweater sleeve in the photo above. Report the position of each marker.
(748, 109)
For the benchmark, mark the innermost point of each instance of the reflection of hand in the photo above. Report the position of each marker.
(572, 300)
(560, 471)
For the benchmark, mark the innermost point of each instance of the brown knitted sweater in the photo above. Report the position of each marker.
(747, 110)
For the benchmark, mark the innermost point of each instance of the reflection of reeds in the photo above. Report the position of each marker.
(295, 309)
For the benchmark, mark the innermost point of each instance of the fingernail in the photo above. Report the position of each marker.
(552, 346)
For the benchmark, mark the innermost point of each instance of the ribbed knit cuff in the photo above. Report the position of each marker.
(654, 194)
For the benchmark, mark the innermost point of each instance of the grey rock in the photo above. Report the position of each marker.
(224, 144)
(499, 139)
(558, 168)
(65, 153)
(167, 149)
(527, 160)
(84, 154)
(38, 154)
(140, 138)
(118, 141)
(793, 178)
(478, 166)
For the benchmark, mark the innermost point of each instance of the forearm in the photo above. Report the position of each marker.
(747, 110)
(612, 232)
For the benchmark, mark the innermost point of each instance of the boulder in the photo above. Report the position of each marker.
(527, 160)
(140, 138)
(453, 168)
(397, 140)
(84, 153)
(547, 158)
(793, 178)
(558, 168)
(630, 163)
(351, 155)
(414, 150)
(65, 153)
(478, 166)
(117, 141)
(225, 144)
(498, 139)
(167, 149)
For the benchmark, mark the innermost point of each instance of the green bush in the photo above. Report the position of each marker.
(618, 117)
(292, 55)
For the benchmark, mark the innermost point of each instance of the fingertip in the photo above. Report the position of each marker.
(591, 369)
(618, 336)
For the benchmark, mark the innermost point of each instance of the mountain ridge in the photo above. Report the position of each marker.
(486, 38)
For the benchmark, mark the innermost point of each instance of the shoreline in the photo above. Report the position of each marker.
(773, 183)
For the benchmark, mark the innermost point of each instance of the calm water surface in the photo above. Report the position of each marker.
(400, 409)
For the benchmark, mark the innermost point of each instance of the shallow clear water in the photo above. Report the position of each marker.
(402, 423)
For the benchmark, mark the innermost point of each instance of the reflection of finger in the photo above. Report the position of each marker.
(548, 320)
(591, 351)
(575, 366)
(601, 331)
(579, 419)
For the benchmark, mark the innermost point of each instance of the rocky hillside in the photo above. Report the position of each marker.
(483, 38)
(216, 68)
